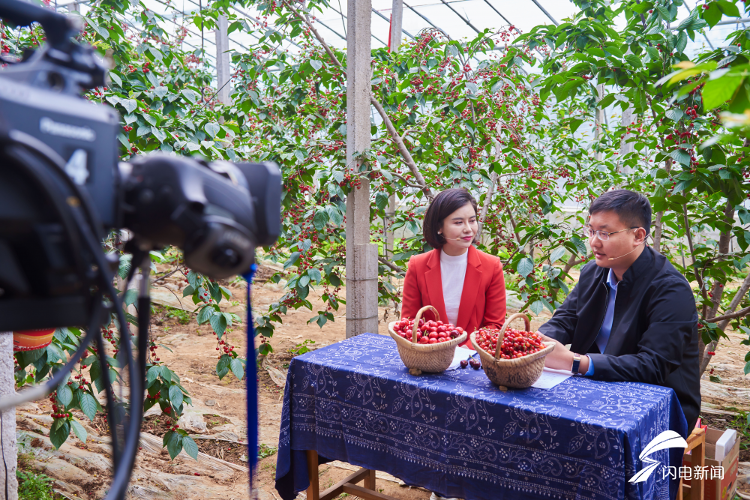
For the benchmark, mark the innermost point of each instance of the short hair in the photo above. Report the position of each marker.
(632, 208)
(444, 204)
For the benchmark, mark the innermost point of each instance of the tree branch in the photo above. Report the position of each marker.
(513, 224)
(486, 205)
(736, 300)
(572, 261)
(401, 147)
(390, 264)
(692, 255)
(386, 119)
(727, 317)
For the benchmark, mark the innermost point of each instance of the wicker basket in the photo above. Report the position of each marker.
(518, 373)
(431, 358)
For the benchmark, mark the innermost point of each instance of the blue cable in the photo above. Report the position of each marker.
(251, 382)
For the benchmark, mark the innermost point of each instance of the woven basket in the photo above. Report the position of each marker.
(518, 373)
(430, 358)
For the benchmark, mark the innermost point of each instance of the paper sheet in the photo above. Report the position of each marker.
(550, 378)
(460, 354)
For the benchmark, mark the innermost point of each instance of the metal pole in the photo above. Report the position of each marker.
(223, 69)
(361, 254)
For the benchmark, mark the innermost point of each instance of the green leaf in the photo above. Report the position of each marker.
(205, 314)
(153, 373)
(212, 129)
(320, 220)
(189, 290)
(58, 435)
(222, 367)
(190, 95)
(675, 114)
(79, 430)
(537, 307)
(190, 447)
(580, 245)
(316, 64)
(65, 395)
(175, 396)
(712, 15)
(525, 266)
(159, 134)
(718, 91)
(174, 445)
(292, 259)
(88, 405)
(557, 254)
(237, 368)
(130, 105)
(679, 155)
(219, 324)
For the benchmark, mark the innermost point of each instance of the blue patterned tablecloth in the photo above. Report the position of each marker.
(457, 434)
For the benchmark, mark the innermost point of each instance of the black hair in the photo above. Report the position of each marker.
(632, 208)
(444, 204)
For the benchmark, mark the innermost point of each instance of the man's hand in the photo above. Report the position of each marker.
(561, 358)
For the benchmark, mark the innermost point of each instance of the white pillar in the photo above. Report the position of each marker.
(361, 255)
(626, 147)
(599, 119)
(8, 446)
(223, 68)
(397, 15)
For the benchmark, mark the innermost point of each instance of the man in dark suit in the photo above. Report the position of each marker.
(632, 316)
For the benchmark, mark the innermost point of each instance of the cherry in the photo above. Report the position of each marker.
(465, 363)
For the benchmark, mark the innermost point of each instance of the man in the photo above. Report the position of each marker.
(632, 316)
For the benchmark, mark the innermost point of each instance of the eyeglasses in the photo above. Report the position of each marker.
(602, 235)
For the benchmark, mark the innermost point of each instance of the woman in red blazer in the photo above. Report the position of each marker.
(465, 285)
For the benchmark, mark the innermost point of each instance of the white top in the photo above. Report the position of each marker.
(453, 272)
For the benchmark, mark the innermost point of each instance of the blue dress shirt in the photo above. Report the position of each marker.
(603, 337)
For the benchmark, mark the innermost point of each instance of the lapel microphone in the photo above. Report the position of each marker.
(633, 250)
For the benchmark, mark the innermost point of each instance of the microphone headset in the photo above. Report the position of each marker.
(633, 250)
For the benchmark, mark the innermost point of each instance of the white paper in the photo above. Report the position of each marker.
(550, 378)
(461, 353)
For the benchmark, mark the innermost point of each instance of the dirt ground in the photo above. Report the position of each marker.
(194, 359)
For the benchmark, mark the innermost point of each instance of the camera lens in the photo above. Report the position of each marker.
(227, 257)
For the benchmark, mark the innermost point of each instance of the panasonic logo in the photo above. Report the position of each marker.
(49, 126)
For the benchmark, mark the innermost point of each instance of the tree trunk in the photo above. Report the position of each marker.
(717, 290)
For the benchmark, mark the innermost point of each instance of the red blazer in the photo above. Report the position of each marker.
(482, 298)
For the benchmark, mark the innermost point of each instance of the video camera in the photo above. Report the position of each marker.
(62, 190)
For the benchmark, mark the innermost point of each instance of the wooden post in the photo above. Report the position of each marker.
(8, 445)
(223, 69)
(361, 254)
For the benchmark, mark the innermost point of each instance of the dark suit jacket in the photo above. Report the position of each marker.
(654, 337)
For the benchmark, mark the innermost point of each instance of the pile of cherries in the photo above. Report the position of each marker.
(516, 343)
(428, 332)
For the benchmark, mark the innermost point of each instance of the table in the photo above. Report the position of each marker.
(457, 434)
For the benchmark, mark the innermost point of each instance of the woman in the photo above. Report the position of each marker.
(465, 285)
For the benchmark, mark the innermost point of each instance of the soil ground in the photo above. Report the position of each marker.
(194, 358)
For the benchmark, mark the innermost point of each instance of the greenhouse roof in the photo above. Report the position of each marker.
(458, 19)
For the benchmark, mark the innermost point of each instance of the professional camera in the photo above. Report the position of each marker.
(62, 190)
